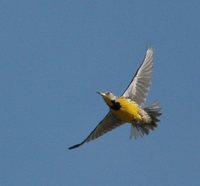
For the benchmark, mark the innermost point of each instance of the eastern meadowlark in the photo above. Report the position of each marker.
(128, 107)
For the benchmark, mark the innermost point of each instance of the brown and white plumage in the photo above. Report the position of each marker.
(107, 124)
(136, 92)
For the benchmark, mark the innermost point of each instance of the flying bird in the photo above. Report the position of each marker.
(128, 108)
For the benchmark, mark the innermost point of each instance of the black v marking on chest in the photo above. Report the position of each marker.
(115, 105)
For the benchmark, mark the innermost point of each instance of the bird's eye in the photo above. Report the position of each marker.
(107, 93)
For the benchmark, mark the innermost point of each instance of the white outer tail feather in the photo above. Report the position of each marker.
(139, 130)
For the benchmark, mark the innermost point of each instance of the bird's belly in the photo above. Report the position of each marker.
(128, 112)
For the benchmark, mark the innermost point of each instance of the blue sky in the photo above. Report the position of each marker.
(55, 55)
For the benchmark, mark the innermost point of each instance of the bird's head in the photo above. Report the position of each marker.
(108, 97)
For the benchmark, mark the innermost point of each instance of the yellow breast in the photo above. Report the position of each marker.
(129, 110)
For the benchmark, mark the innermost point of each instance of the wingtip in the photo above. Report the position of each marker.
(77, 145)
(74, 146)
(150, 50)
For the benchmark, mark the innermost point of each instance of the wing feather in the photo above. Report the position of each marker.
(138, 88)
(107, 124)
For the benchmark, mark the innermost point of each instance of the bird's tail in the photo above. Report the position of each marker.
(154, 111)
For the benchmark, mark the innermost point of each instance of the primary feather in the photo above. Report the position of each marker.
(139, 85)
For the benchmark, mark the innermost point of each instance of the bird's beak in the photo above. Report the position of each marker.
(101, 93)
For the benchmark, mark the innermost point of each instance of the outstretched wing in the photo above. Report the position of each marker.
(138, 88)
(107, 124)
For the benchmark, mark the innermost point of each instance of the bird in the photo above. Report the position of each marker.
(128, 108)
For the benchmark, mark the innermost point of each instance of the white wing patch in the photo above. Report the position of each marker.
(139, 86)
